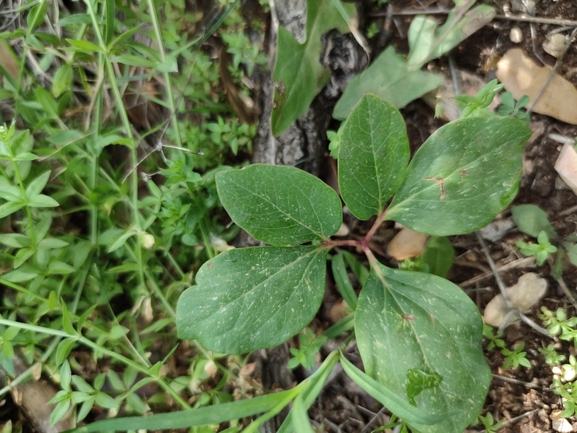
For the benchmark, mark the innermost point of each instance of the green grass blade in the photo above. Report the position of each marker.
(343, 282)
(393, 401)
(189, 418)
(110, 11)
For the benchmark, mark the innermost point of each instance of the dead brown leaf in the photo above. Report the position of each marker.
(8, 60)
(521, 76)
(244, 109)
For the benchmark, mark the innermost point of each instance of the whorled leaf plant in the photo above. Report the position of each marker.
(419, 335)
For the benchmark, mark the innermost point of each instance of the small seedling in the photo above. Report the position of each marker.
(534, 221)
(513, 358)
(335, 141)
(243, 51)
(558, 324)
(551, 355)
(310, 344)
(564, 375)
(491, 426)
(509, 107)
(477, 105)
(495, 340)
(415, 265)
(541, 250)
(372, 30)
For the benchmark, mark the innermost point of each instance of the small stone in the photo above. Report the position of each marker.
(210, 369)
(569, 374)
(339, 310)
(560, 424)
(343, 230)
(566, 166)
(497, 229)
(516, 35)
(523, 295)
(555, 44)
(407, 244)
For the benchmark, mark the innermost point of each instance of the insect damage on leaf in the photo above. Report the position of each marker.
(418, 380)
(439, 181)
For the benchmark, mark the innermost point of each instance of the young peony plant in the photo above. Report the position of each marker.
(419, 335)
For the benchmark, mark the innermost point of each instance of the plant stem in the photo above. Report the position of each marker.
(344, 243)
(21, 289)
(174, 263)
(378, 221)
(98, 349)
(136, 217)
(159, 294)
(167, 78)
(31, 224)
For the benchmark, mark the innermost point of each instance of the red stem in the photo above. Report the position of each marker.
(374, 228)
(364, 244)
(343, 243)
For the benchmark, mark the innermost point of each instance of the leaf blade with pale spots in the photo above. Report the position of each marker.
(253, 298)
(462, 176)
(280, 205)
(373, 156)
(432, 327)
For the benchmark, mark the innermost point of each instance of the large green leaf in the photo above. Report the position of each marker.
(420, 336)
(531, 219)
(253, 298)
(280, 205)
(298, 73)
(466, 173)
(373, 156)
(390, 78)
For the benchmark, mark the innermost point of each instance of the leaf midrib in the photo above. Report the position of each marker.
(266, 200)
